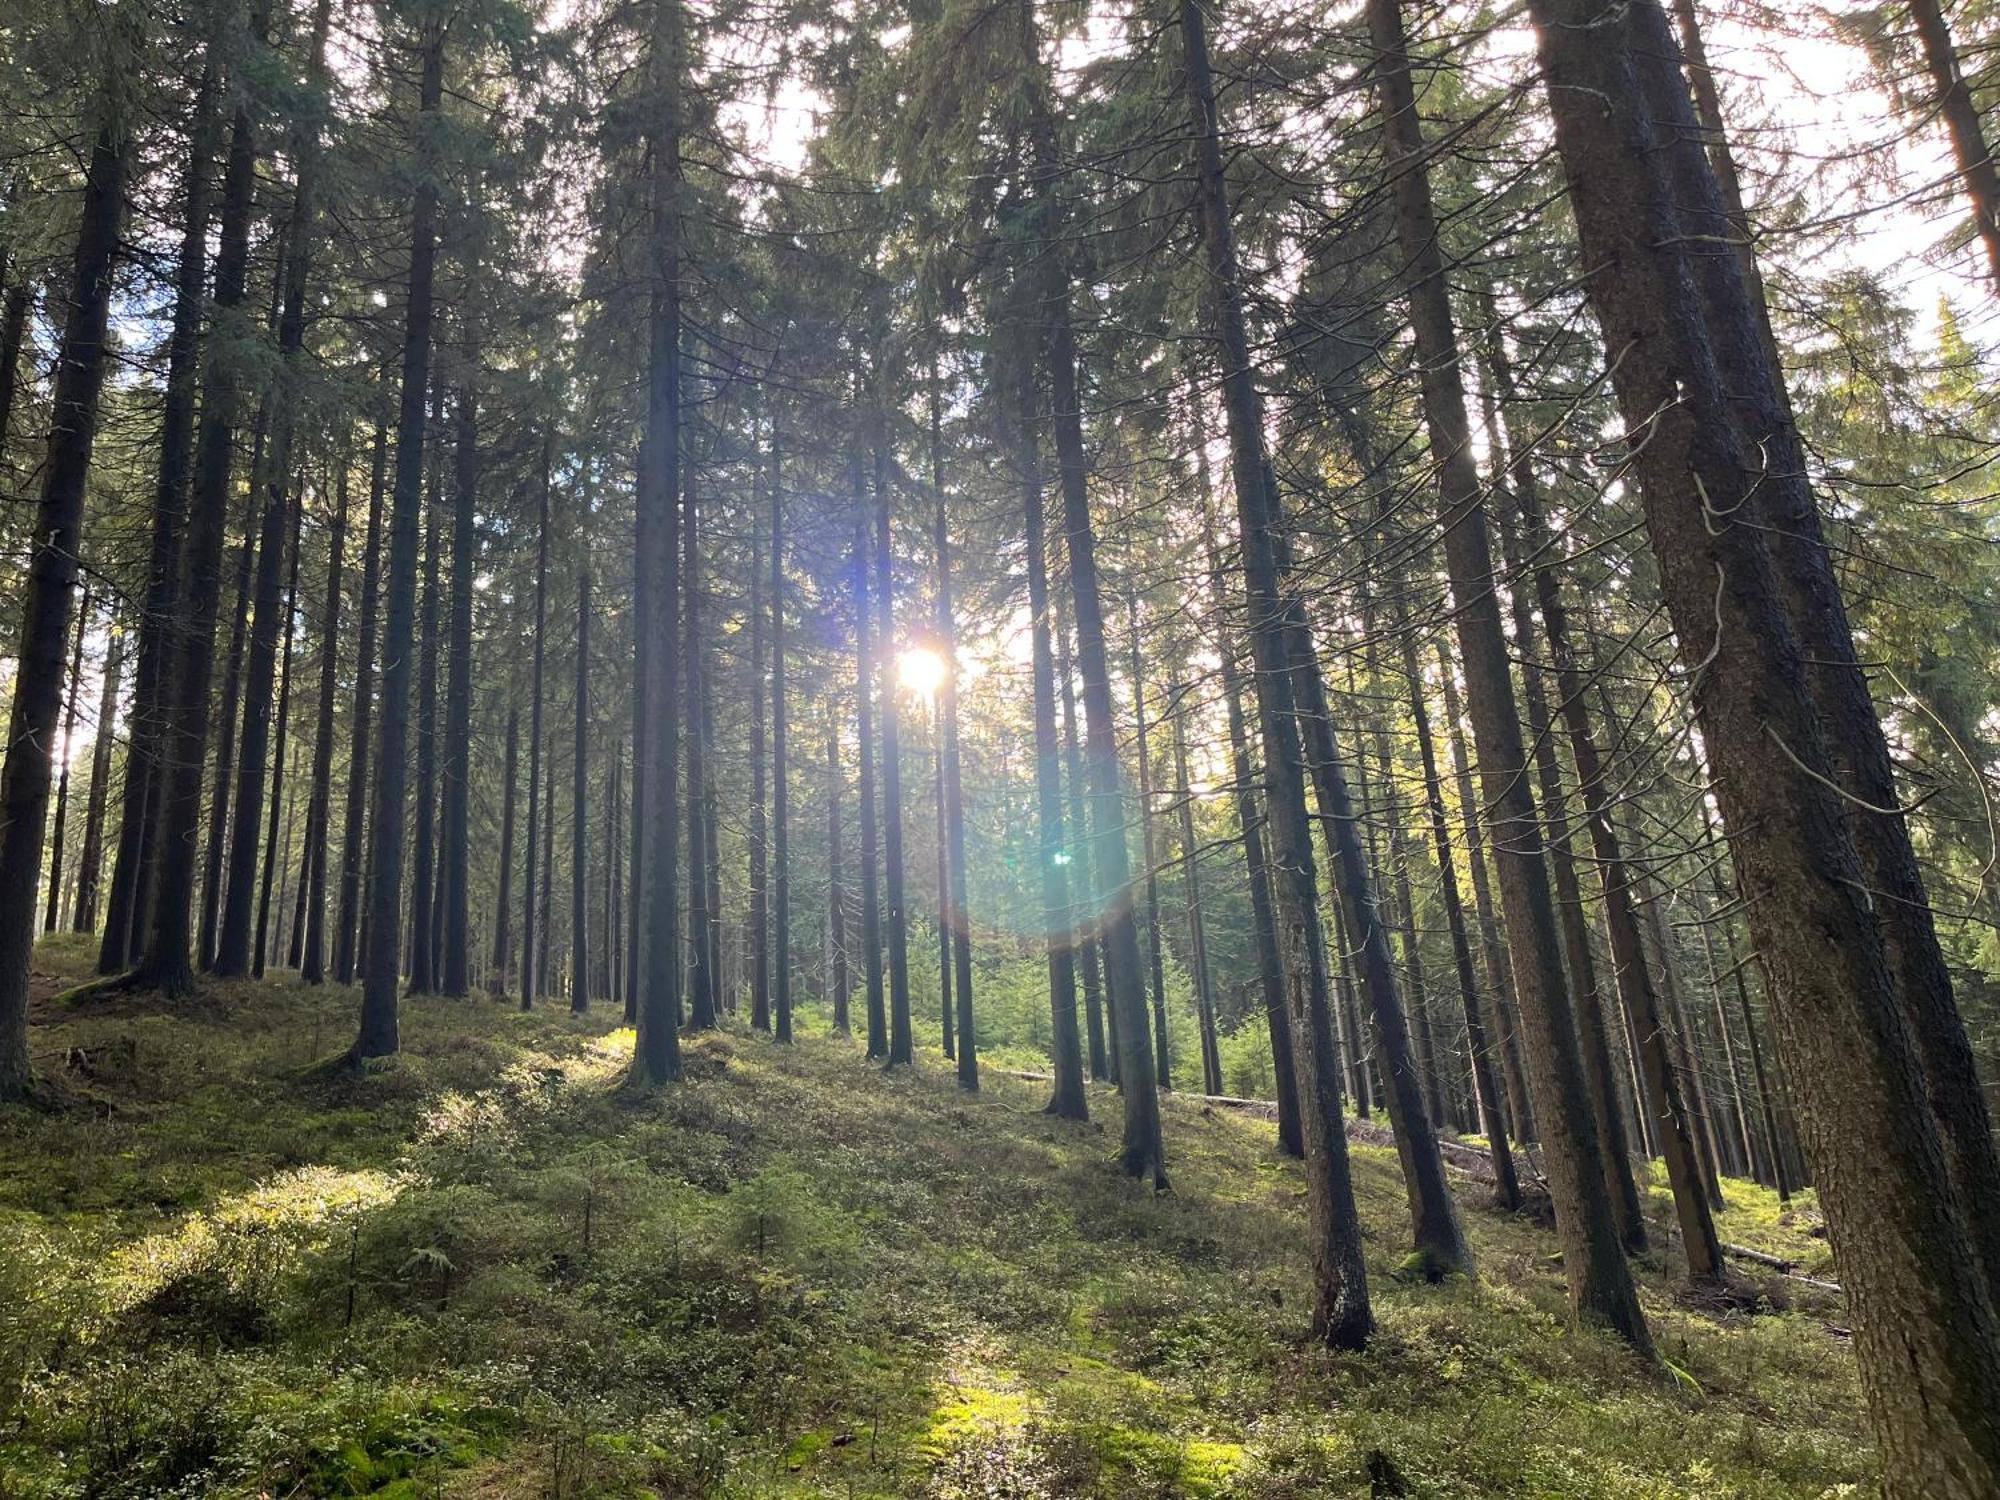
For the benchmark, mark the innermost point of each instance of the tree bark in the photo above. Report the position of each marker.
(529, 972)
(864, 698)
(83, 910)
(1926, 1336)
(346, 948)
(579, 857)
(312, 947)
(1600, 1282)
(455, 921)
(1156, 969)
(503, 935)
(52, 570)
(56, 833)
(896, 909)
(836, 891)
(383, 937)
(781, 771)
(702, 975)
(1211, 1055)
(424, 863)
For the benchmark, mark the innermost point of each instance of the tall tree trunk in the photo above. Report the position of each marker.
(319, 811)
(1066, 1052)
(1952, 98)
(781, 771)
(503, 910)
(529, 971)
(346, 947)
(56, 833)
(52, 569)
(896, 914)
(455, 921)
(383, 935)
(1493, 945)
(279, 788)
(1211, 1055)
(1600, 1282)
(424, 864)
(1156, 967)
(1341, 1313)
(1511, 454)
(1083, 925)
(579, 847)
(952, 808)
(90, 862)
(1926, 1333)
(760, 862)
(129, 900)
(14, 310)
(864, 699)
(836, 890)
(702, 975)
(1768, 439)
(1506, 1183)
(1250, 820)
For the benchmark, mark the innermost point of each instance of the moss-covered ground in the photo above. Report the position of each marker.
(483, 1269)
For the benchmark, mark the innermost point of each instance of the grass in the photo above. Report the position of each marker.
(483, 1269)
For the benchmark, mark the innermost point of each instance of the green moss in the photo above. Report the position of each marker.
(483, 1264)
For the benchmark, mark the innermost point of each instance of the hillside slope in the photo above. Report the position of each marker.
(484, 1270)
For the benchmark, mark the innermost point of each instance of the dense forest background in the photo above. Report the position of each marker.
(1423, 565)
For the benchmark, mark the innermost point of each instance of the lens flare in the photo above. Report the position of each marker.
(921, 670)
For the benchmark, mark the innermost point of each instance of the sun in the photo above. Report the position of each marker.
(921, 670)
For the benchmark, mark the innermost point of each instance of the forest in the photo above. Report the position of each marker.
(999, 748)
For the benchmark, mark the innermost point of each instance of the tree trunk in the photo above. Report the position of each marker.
(529, 971)
(503, 935)
(836, 897)
(52, 570)
(702, 976)
(56, 833)
(1506, 1184)
(896, 907)
(91, 860)
(579, 846)
(1082, 925)
(455, 921)
(347, 939)
(312, 954)
(129, 901)
(424, 863)
(1156, 968)
(864, 698)
(759, 840)
(1600, 1282)
(229, 719)
(781, 772)
(1341, 1313)
(1249, 818)
(1926, 1336)
(1952, 98)
(1068, 1101)
(383, 937)
(273, 850)
(1211, 1055)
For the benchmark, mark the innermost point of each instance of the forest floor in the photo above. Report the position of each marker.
(482, 1269)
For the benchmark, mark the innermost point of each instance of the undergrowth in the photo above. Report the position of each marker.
(484, 1268)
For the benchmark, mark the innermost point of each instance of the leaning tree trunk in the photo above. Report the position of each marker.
(1952, 98)
(1926, 1334)
(1600, 1281)
(383, 937)
(1249, 819)
(52, 569)
(1341, 1312)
